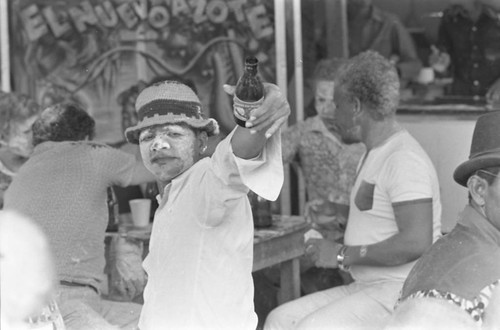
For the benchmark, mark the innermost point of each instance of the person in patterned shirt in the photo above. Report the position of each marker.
(17, 114)
(328, 166)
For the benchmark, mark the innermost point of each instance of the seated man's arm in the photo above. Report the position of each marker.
(414, 221)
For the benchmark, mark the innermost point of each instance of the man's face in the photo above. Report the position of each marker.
(20, 137)
(168, 150)
(492, 202)
(349, 131)
(323, 100)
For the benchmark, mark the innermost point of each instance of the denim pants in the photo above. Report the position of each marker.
(352, 306)
(83, 308)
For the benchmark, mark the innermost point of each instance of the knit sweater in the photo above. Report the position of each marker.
(63, 188)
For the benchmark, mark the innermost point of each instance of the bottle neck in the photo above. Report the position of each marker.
(251, 69)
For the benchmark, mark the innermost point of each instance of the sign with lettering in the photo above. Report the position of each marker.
(101, 53)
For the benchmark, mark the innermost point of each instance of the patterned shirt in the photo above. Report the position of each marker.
(474, 307)
(328, 165)
(462, 267)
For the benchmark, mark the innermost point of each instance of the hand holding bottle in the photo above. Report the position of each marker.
(438, 60)
(271, 114)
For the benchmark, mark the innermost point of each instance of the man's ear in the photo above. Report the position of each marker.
(202, 141)
(357, 107)
(477, 189)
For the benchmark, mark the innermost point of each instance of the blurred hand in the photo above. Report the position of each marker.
(316, 210)
(127, 276)
(438, 60)
(273, 112)
(493, 95)
(322, 252)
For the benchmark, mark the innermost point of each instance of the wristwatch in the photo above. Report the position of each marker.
(341, 258)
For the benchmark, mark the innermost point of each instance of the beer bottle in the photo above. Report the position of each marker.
(261, 210)
(249, 92)
(113, 211)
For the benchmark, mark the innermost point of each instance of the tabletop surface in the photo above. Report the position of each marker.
(282, 225)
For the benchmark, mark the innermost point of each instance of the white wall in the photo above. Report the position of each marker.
(447, 139)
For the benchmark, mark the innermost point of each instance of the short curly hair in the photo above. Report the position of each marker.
(373, 80)
(63, 122)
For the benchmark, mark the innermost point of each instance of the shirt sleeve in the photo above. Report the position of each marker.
(117, 166)
(408, 178)
(263, 175)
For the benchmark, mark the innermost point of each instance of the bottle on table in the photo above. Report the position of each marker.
(113, 212)
(261, 210)
(249, 92)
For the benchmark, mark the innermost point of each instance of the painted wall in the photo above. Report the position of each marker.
(447, 139)
(93, 50)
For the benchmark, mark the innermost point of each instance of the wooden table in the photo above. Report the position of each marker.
(280, 244)
(283, 244)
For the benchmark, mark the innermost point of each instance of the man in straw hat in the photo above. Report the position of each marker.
(200, 260)
(463, 267)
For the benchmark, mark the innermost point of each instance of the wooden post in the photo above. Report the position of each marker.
(336, 28)
(299, 88)
(4, 47)
(281, 81)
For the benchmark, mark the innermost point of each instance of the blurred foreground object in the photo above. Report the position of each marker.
(127, 277)
(27, 275)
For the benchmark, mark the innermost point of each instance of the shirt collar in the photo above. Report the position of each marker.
(471, 218)
(316, 125)
(178, 180)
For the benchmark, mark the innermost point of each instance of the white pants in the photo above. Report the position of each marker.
(353, 306)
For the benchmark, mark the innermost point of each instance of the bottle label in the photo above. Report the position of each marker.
(242, 109)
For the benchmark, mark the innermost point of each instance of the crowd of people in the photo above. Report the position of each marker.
(372, 194)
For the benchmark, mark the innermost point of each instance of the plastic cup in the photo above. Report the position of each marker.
(140, 209)
(426, 76)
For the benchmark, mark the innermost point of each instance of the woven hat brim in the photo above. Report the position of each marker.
(209, 125)
(467, 168)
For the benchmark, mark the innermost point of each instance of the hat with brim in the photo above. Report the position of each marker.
(169, 102)
(485, 148)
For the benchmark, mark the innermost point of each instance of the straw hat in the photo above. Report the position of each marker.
(485, 148)
(169, 102)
